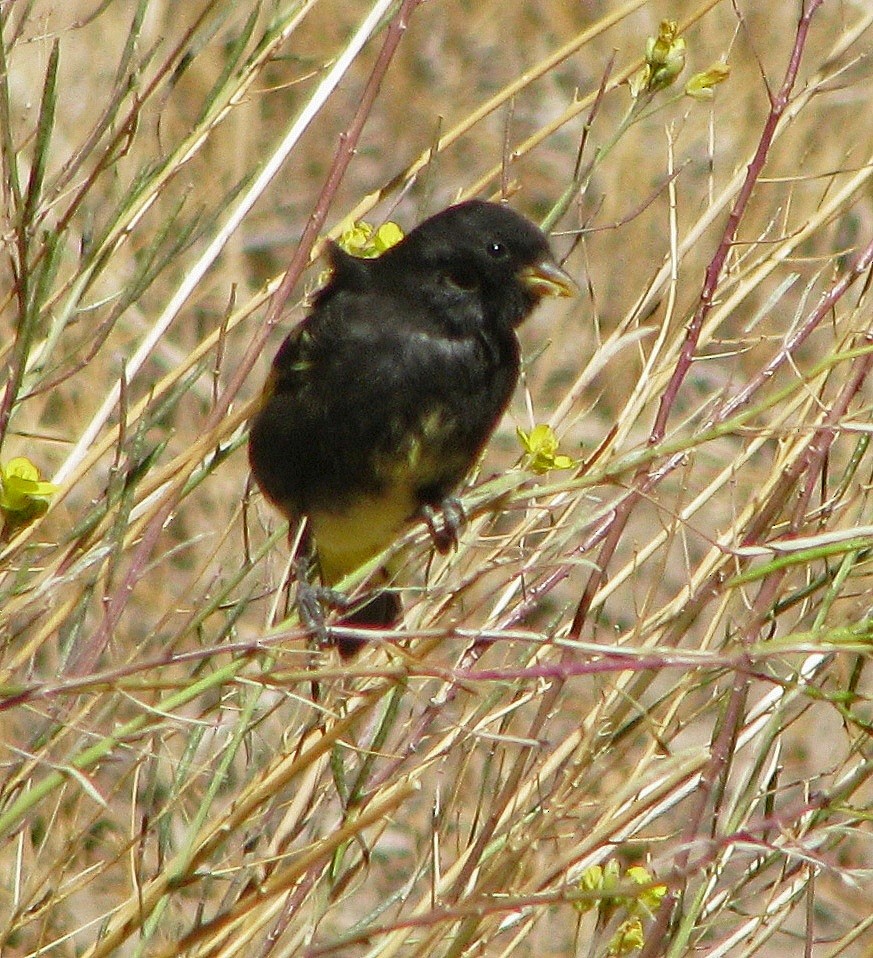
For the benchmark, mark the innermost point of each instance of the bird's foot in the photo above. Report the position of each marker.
(380, 609)
(444, 531)
(312, 600)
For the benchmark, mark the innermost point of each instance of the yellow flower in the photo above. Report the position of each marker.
(650, 899)
(23, 494)
(389, 234)
(366, 241)
(591, 880)
(541, 446)
(701, 85)
(665, 60)
(627, 938)
(606, 881)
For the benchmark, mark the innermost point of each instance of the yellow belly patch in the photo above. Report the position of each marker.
(349, 536)
(346, 539)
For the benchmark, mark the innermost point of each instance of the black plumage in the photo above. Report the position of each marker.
(381, 400)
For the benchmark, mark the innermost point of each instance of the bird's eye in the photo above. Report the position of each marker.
(497, 249)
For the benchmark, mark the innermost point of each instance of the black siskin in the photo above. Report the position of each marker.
(381, 400)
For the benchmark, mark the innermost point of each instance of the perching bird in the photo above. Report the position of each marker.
(381, 400)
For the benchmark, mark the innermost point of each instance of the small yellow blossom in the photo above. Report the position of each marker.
(24, 496)
(702, 85)
(665, 60)
(650, 899)
(364, 240)
(541, 446)
(606, 881)
(591, 880)
(627, 938)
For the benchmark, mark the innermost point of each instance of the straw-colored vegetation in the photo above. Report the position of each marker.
(630, 713)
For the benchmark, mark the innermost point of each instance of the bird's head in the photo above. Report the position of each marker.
(485, 254)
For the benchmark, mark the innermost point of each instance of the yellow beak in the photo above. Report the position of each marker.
(546, 278)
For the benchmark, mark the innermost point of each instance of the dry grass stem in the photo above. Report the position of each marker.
(630, 713)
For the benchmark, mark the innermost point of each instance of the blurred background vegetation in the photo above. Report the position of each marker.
(657, 657)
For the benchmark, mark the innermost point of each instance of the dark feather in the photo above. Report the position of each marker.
(381, 401)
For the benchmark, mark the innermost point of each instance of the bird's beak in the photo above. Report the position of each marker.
(546, 278)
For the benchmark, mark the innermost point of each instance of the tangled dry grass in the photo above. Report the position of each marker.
(658, 657)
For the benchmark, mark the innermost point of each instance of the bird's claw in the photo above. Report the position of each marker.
(445, 533)
(312, 601)
(381, 609)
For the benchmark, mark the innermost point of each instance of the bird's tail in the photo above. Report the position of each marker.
(379, 609)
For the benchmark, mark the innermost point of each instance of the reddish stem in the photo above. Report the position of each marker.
(614, 526)
(300, 260)
(117, 602)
